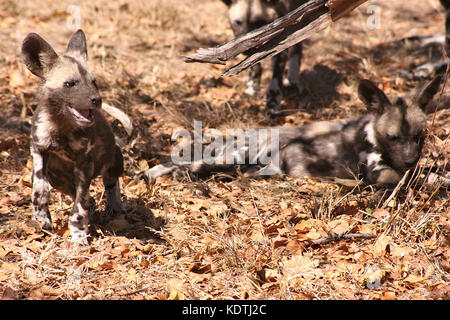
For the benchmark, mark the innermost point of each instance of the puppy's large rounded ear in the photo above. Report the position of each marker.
(38, 55)
(428, 92)
(77, 45)
(374, 98)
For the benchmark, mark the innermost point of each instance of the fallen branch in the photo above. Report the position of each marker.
(347, 236)
(396, 190)
(284, 32)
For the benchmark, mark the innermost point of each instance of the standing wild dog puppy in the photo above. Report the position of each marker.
(71, 141)
(446, 5)
(378, 147)
(247, 15)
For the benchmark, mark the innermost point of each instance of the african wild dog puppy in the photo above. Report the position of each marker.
(378, 147)
(247, 15)
(439, 67)
(71, 141)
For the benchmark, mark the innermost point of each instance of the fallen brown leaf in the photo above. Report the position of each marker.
(177, 288)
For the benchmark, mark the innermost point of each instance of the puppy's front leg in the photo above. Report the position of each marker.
(273, 93)
(78, 222)
(40, 191)
(111, 182)
(295, 57)
(113, 201)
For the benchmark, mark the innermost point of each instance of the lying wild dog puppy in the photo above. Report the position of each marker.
(248, 15)
(71, 141)
(378, 147)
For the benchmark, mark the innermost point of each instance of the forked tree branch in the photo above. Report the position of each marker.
(284, 32)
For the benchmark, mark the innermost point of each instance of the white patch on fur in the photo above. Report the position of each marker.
(370, 132)
(257, 10)
(238, 11)
(251, 89)
(79, 235)
(158, 171)
(41, 190)
(373, 159)
(38, 161)
(61, 72)
(39, 185)
(43, 130)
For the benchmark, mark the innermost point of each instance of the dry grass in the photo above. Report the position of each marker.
(221, 238)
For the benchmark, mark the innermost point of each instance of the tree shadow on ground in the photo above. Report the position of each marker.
(321, 86)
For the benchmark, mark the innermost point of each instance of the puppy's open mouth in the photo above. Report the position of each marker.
(82, 115)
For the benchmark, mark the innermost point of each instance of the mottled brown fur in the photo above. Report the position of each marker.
(378, 147)
(71, 141)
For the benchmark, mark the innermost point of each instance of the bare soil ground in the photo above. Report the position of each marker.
(221, 237)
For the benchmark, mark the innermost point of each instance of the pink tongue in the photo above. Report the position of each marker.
(84, 113)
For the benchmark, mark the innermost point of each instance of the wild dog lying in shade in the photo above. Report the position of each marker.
(71, 141)
(378, 147)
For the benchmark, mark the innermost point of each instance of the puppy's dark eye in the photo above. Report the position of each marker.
(393, 137)
(69, 84)
(94, 82)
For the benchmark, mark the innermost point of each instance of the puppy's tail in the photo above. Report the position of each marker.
(119, 115)
(158, 171)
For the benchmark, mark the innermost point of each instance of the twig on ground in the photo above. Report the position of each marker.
(396, 190)
(347, 236)
(257, 213)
